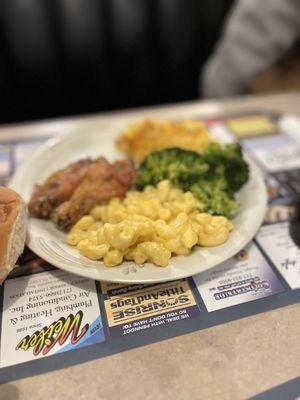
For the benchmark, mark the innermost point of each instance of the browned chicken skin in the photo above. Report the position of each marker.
(57, 188)
(101, 182)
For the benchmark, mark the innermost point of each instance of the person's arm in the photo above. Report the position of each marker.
(257, 33)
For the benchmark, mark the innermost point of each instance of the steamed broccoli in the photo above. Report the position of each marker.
(178, 165)
(213, 176)
(215, 199)
(227, 161)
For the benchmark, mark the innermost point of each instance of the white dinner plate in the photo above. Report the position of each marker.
(49, 243)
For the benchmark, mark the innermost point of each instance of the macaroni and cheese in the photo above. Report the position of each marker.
(147, 226)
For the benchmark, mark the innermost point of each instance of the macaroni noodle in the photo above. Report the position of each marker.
(147, 226)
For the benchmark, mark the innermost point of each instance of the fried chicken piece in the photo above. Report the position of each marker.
(102, 181)
(57, 188)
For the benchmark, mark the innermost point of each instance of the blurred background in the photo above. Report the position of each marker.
(65, 57)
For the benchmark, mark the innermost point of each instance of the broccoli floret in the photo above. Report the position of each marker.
(228, 161)
(178, 165)
(213, 176)
(214, 198)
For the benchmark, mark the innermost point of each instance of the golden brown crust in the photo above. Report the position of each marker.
(10, 204)
(142, 138)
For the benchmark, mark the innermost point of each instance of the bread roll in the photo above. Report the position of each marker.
(12, 230)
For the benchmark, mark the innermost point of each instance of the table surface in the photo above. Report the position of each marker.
(230, 361)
